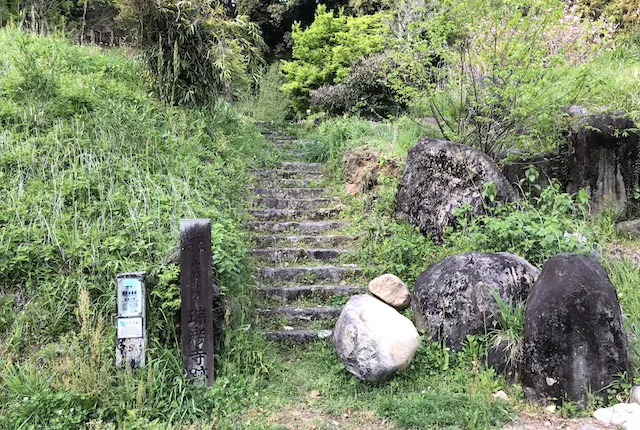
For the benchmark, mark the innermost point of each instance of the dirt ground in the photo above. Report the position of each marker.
(552, 421)
(306, 417)
(302, 417)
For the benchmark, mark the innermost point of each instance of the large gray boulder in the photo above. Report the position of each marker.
(454, 297)
(441, 177)
(602, 158)
(373, 340)
(574, 339)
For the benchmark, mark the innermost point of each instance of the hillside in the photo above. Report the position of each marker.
(95, 175)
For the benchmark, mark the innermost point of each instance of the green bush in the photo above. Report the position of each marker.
(194, 51)
(535, 229)
(324, 52)
(365, 92)
(266, 101)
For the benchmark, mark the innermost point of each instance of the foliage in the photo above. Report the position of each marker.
(276, 17)
(494, 72)
(508, 332)
(535, 228)
(48, 16)
(332, 99)
(365, 91)
(95, 174)
(266, 101)
(194, 51)
(624, 12)
(324, 52)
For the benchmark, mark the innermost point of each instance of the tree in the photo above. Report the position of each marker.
(276, 18)
(195, 51)
(324, 52)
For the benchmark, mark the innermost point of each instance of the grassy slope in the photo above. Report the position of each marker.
(95, 175)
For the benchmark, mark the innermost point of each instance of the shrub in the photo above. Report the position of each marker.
(324, 52)
(624, 12)
(535, 228)
(365, 92)
(333, 99)
(195, 52)
(267, 102)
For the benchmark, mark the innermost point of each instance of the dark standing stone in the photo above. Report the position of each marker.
(441, 177)
(197, 299)
(575, 342)
(603, 152)
(454, 297)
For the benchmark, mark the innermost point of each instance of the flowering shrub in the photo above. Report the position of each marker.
(365, 92)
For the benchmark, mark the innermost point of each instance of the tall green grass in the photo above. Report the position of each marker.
(95, 174)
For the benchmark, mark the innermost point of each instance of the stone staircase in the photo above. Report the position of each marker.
(299, 245)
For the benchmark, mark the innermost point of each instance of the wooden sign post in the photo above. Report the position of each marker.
(197, 299)
(131, 342)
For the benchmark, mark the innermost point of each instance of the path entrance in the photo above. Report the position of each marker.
(300, 245)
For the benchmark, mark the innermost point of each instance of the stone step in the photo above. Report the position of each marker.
(296, 204)
(321, 241)
(297, 336)
(286, 183)
(286, 174)
(301, 167)
(303, 227)
(293, 214)
(277, 255)
(302, 314)
(295, 292)
(295, 153)
(310, 273)
(290, 193)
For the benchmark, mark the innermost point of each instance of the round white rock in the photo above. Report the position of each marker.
(373, 340)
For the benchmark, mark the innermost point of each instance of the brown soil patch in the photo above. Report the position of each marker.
(307, 417)
(364, 169)
(555, 422)
(619, 251)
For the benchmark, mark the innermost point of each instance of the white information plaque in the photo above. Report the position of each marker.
(129, 328)
(129, 297)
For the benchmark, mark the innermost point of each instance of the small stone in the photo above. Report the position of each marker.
(315, 394)
(323, 334)
(551, 408)
(626, 415)
(550, 381)
(501, 395)
(634, 394)
(391, 290)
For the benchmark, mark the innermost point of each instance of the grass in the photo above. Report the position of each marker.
(95, 175)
